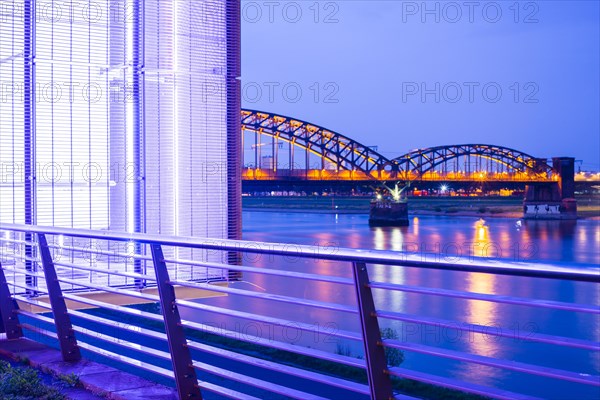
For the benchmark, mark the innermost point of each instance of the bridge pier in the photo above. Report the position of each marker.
(554, 200)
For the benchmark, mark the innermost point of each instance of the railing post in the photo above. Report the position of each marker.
(8, 310)
(185, 374)
(138, 268)
(62, 321)
(31, 281)
(379, 381)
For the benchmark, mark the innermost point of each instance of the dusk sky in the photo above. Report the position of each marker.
(525, 76)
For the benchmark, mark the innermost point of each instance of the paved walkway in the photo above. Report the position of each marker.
(98, 380)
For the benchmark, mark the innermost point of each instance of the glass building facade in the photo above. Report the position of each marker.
(121, 115)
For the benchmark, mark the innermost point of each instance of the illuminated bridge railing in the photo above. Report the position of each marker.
(270, 174)
(291, 333)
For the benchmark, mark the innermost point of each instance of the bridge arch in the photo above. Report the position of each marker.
(336, 151)
(474, 159)
(344, 158)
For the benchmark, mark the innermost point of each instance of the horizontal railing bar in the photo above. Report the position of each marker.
(16, 271)
(341, 254)
(487, 297)
(282, 368)
(266, 271)
(261, 318)
(496, 363)
(38, 317)
(119, 325)
(115, 290)
(106, 271)
(462, 386)
(112, 307)
(232, 394)
(32, 288)
(23, 258)
(267, 296)
(41, 331)
(23, 242)
(292, 348)
(126, 360)
(255, 382)
(101, 252)
(404, 397)
(18, 293)
(489, 330)
(33, 303)
(123, 343)
(23, 271)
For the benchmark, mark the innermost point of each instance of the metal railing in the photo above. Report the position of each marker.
(35, 274)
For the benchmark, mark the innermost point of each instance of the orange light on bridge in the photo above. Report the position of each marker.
(257, 174)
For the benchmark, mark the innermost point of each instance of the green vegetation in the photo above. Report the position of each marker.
(24, 383)
(70, 380)
(24, 360)
(394, 357)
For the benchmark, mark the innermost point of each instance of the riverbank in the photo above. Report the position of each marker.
(19, 381)
(505, 207)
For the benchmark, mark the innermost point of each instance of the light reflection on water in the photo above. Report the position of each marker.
(532, 241)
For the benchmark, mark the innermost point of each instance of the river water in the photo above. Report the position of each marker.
(574, 243)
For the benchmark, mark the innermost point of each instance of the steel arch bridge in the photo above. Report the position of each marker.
(475, 161)
(334, 151)
(278, 147)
